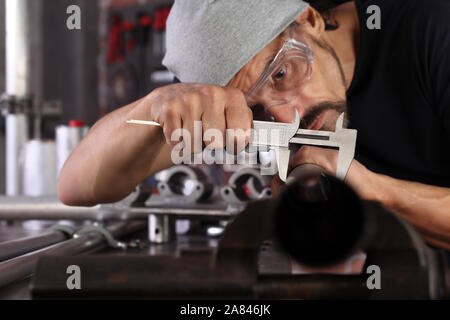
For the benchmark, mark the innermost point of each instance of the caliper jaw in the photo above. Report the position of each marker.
(279, 136)
(283, 155)
(342, 138)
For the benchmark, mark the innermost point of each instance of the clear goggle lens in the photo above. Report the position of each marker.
(272, 95)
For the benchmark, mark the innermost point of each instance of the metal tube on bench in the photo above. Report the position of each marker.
(18, 247)
(50, 208)
(23, 266)
(43, 208)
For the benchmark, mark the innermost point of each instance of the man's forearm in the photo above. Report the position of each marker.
(117, 156)
(425, 207)
(112, 159)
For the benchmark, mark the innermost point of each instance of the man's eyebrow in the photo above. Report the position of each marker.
(269, 59)
(269, 62)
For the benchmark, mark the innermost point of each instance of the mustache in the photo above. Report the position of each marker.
(315, 111)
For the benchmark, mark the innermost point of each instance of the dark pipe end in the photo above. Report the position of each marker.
(319, 220)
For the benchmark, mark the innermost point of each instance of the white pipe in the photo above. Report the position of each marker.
(17, 85)
(39, 168)
(17, 48)
(16, 136)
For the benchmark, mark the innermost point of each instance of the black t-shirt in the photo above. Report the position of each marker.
(399, 99)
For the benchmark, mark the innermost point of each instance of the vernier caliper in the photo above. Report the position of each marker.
(279, 136)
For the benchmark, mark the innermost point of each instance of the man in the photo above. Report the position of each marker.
(232, 55)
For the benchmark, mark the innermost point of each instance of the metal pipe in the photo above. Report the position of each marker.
(43, 208)
(17, 89)
(320, 220)
(161, 228)
(17, 48)
(23, 266)
(50, 208)
(18, 247)
(16, 136)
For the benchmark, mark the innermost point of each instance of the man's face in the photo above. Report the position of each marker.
(319, 100)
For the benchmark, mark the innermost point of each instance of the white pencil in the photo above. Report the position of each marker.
(145, 123)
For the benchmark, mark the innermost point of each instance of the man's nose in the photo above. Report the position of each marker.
(282, 107)
(283, 113)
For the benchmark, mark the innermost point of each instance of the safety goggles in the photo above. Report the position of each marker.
(291, 68)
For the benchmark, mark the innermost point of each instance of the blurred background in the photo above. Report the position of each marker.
(69, 78)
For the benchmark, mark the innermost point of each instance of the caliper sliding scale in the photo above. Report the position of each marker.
(279, 136)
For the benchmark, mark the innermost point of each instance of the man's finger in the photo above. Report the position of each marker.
(238, 120)
(214, 126)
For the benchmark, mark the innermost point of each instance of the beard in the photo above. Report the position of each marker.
(338, 106)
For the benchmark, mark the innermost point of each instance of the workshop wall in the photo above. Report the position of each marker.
(2, 89)
(131, 37)
(71, 65)
(70, 59)
(2, 46)
(63, 62)
(85, 70)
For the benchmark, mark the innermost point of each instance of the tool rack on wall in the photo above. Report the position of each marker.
(133, 50)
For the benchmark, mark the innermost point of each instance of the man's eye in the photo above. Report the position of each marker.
(280, 74)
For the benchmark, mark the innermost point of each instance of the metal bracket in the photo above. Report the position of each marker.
(181, 177)
(68, 231)
(256, 185)
(112, 242)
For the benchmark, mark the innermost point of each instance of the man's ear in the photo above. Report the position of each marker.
(311, 21)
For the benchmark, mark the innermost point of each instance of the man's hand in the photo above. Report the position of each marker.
(177, 106)
(115, 156)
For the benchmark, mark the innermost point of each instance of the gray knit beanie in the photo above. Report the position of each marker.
(209, 41)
